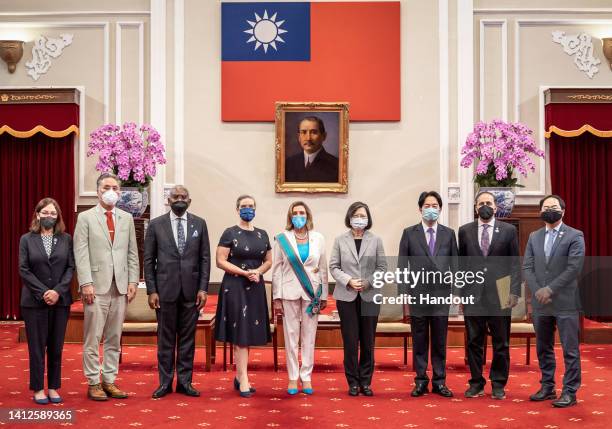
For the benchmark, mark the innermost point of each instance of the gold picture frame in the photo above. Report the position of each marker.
(294, 172)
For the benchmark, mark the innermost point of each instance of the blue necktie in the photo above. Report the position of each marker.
(432, 241)
(180, 235)
(550, 239)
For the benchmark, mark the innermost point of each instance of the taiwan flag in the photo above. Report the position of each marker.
(344, 51)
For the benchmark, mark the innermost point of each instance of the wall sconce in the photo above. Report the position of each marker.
(11, 52)
(607, 49)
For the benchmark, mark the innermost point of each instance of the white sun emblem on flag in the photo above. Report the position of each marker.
(265, 31)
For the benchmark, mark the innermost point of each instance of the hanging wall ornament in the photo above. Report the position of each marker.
(581, 46)
(43, 51)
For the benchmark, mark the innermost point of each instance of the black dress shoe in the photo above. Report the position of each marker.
(498, 393)
(353, 391)
(188, 390)
(366, 391)
(442, 390)
(237, 386)
(161, 391)
(565, 400)
(474, 391)
(419, 390)
(543, 395)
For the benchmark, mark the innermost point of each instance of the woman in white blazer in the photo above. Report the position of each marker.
(356, 256)
(299, 246)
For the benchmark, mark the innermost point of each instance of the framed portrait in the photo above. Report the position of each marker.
(312, 147)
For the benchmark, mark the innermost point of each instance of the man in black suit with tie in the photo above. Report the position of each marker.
(428, 247)
(553, 261)
(177, 270)
(490, 246)
(313, 163)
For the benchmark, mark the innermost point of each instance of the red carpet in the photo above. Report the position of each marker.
(330, 407)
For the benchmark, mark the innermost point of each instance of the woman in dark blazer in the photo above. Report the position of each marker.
(356, 256)
(46, 265)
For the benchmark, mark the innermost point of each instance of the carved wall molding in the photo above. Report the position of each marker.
(44, 50)
(581, 46)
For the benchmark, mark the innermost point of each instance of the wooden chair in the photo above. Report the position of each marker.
(273, 331)
(394, 320)
(521, 326)
(140, 319)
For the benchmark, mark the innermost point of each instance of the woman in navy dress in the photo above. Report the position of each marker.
(244, 253)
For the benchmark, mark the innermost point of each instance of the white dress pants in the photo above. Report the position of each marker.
(300, 329)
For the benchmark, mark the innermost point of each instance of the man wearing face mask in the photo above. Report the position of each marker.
(490, 246)
(177, 270)
(106, 255)
(553, 260)
(428, 247)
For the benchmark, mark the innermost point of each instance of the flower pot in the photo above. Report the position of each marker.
(133, 201)
(504, 200)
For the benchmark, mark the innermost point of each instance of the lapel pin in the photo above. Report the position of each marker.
(195, 233)
(497, 230)
(561, 234)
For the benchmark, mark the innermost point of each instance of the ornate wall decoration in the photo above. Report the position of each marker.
(581, 46)
(43, 51)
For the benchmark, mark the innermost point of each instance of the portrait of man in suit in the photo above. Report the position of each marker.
(311, 147)
(312, 163)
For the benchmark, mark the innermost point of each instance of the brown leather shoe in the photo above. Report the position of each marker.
(95, 393)
(113, 391)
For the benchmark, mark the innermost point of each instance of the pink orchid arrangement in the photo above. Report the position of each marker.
(500, 147)
(131, 152)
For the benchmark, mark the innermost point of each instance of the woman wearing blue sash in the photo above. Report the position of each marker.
(356, 256)
(299, 285)
(244, 253)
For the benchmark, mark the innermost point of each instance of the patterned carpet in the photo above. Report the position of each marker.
(330, 407)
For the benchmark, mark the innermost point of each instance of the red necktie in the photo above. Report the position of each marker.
(111, 225)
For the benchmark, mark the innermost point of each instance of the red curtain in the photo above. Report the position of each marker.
(572, 116)
(23, 117)
(30, 169)
(581, 173)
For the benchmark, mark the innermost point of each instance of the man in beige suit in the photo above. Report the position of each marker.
(106, 257)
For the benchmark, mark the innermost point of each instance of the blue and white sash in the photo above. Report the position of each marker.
(300, 273)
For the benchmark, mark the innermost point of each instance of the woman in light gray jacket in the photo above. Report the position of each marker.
(356, 256)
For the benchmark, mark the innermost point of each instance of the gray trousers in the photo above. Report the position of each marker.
(568, 326)
(103, 318)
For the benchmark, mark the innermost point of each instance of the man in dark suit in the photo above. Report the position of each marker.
(429, 247)
(490, 246)
(553, 261)
(177, 270)
(313, 163)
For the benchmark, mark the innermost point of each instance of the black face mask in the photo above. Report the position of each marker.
(485, 212)
(179, 207)
(551, 216)
(47, 222)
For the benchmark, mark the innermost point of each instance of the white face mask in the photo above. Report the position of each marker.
(110, 197)
(359, 222)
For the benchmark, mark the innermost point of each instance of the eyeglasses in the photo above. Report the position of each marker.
(46, 213)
